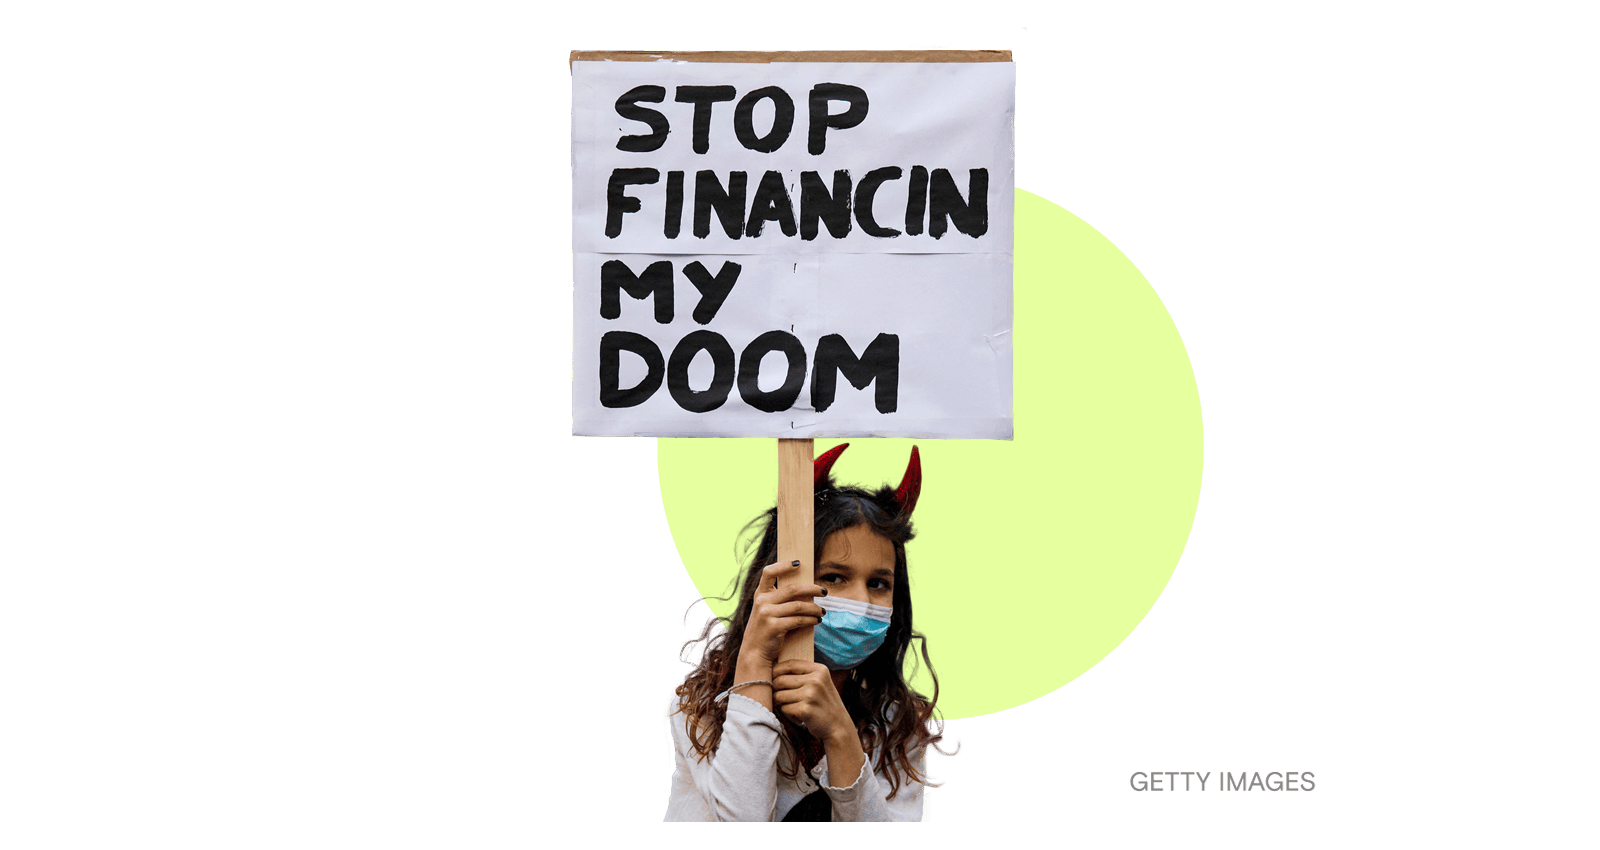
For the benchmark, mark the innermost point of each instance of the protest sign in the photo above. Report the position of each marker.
(792, 245)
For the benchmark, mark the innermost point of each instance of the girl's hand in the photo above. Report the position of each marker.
(779, 610)
(804, 692)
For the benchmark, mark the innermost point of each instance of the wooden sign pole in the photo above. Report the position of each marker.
(796, 515)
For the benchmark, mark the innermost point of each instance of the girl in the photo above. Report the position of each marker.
(840, 738)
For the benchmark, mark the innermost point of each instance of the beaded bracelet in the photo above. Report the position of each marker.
(724, 695)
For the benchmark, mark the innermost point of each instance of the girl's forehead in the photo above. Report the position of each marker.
(858, 546)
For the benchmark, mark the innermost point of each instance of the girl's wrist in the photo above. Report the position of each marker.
(845, 758)
(841, 741)
(752, 666)
(750, 669)
(756, 654)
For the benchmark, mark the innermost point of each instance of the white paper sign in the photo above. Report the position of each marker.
(792, 249)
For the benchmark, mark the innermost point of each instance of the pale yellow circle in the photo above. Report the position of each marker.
(1034, 558)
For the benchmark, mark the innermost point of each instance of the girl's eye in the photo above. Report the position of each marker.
(832, 578)
(878, 584)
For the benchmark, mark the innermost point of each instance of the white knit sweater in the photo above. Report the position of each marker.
(741, 780)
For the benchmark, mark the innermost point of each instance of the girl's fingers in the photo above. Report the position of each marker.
(788, 683)
(797, 667)
(772, 572)
(798, 714)
(790, 697)
(793, 591)
(797, 609)
(789, 624)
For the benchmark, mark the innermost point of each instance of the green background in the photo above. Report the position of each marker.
(300, 553)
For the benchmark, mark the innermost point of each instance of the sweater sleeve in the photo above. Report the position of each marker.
(740, 780)
(864, 800)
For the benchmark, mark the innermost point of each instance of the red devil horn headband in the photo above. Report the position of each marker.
(825, 463)
(910, 485)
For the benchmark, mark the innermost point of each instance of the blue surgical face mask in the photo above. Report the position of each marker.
(850, 631)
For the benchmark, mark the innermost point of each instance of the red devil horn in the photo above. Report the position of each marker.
(911, 485)
(825, 463)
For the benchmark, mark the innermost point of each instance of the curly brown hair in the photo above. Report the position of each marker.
(888, 714)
